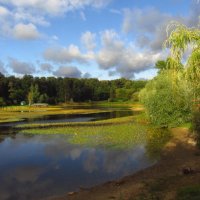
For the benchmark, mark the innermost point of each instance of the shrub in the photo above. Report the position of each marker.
(167, 101)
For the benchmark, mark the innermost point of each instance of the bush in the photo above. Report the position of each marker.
(167, 101)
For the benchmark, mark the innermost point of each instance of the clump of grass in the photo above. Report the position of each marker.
(112, 121)
(189, 193)
(112, 136)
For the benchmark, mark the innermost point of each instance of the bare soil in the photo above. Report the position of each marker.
(178, 167)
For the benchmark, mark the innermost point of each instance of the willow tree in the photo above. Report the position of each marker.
(182, 38)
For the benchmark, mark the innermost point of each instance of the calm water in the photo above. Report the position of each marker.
(39, 166)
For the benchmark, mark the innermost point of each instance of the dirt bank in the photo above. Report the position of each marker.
(162, 181)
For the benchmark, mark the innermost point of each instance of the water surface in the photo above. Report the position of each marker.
(39, 166)
(34, 167)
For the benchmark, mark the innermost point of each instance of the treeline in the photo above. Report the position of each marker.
(51, 90)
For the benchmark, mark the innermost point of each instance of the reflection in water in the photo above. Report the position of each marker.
(38, 166)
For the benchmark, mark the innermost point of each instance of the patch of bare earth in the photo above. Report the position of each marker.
(178, 167)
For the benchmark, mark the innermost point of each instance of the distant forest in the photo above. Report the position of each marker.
(52, 90)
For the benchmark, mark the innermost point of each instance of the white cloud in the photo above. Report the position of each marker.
(55, 7)
(23, 15)
(88, 40)
(65, 54)
(149, 24)
(20, 67)
(25, 32)
(115, 55)
(37, 13)
(143, 20)
(46, 67)
(68, 71)
(4, 11)
(121, 58)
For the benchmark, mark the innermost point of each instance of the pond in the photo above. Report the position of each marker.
(40, 166)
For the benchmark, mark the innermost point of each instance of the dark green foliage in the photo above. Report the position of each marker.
(167, 101)
(53, 90)
(161, 65)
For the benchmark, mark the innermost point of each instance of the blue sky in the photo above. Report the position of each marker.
(103, 39)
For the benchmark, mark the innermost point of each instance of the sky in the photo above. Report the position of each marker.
(104, 39)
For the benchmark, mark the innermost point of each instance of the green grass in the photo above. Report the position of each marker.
(112, 136)
(121, 133)
(113, 121)
(186, 125)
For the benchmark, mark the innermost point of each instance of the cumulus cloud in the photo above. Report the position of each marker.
(26, 32)
(88, 40)
(55, 7)
(34, 13)
(20, 67)
(121, 58)
(114, 54)
(150, 24)
(68, 71)
(64, 54)
(46, 67)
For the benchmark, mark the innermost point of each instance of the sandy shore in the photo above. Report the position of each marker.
(161, 181)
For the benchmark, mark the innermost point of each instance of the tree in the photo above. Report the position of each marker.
(179, 40)
(33, 95)
(168, 97)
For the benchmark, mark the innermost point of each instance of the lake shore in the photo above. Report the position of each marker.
(161, 181)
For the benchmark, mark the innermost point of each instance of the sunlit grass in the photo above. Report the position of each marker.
(112, 121)
(18, 113)
(115, 136)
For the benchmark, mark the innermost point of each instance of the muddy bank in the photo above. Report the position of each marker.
(162, 181)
